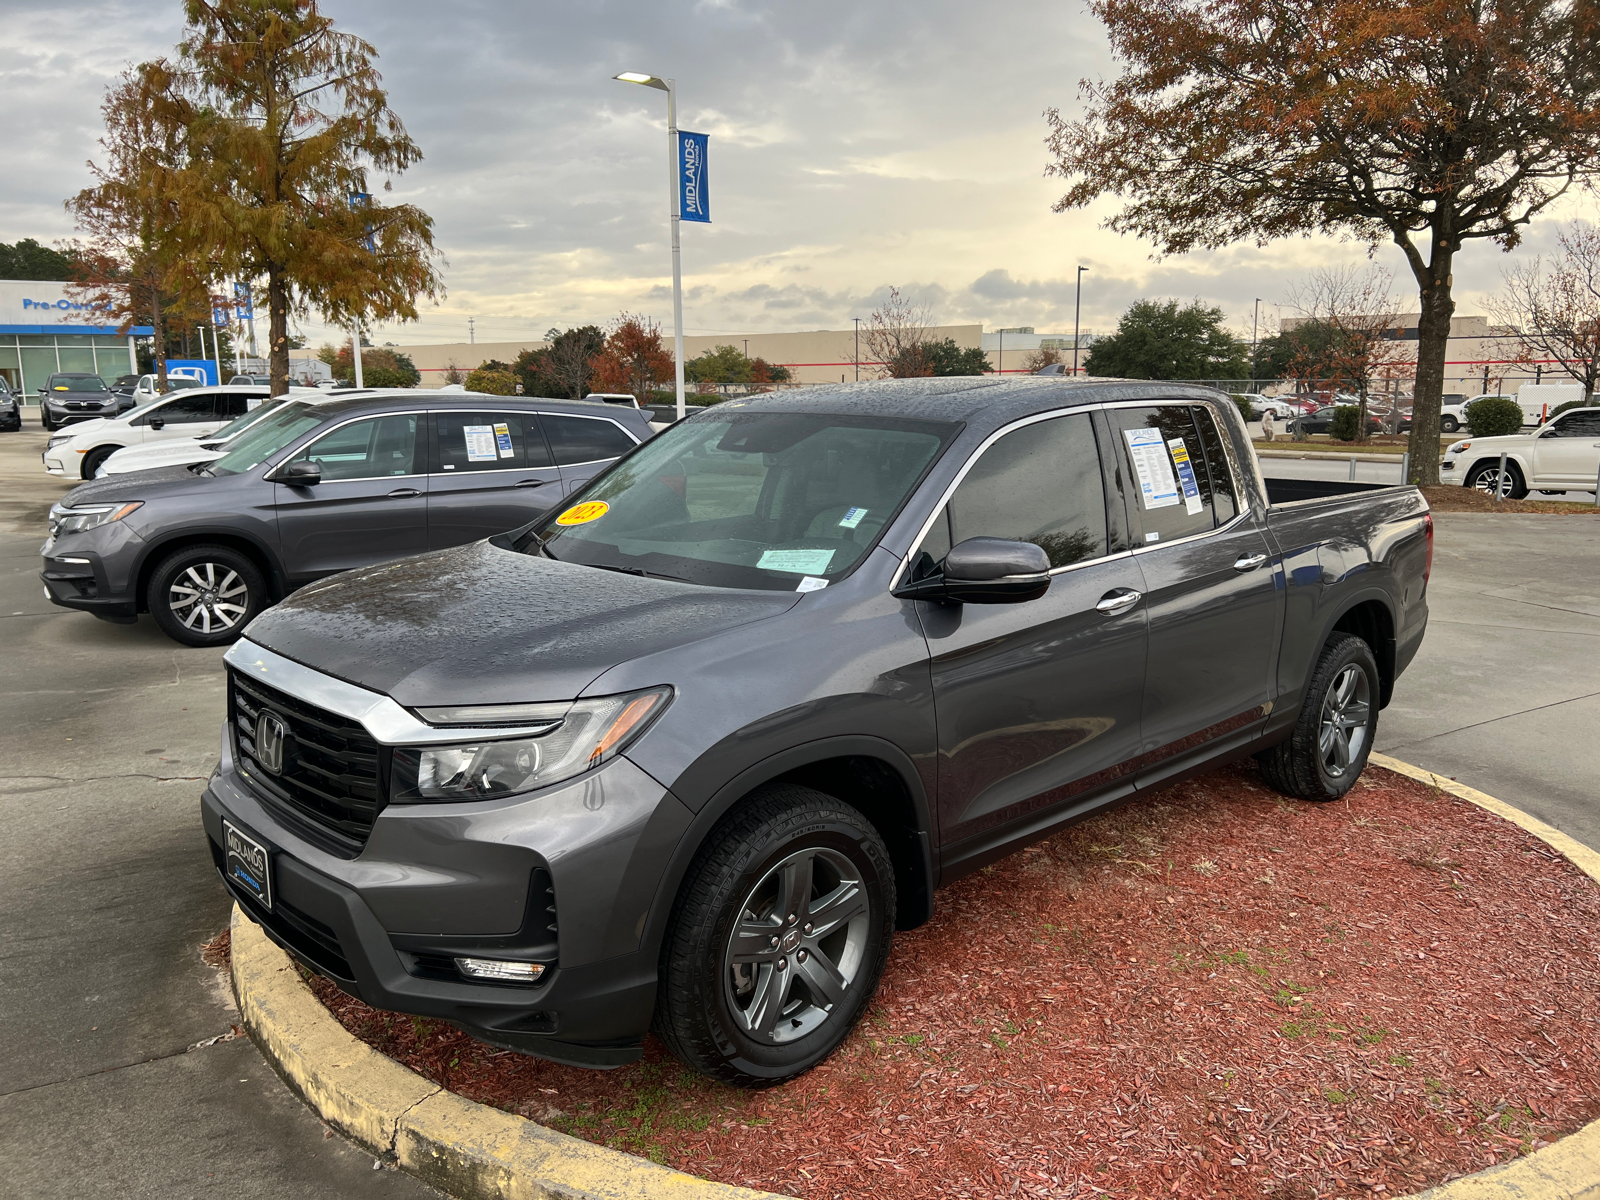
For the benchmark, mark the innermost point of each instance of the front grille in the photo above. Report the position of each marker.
(331, 779)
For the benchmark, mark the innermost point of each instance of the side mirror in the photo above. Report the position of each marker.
(157, 423)
(985, 570)
(299, 473)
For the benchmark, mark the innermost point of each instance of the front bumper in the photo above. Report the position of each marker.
(1451, 471)
(95, 580)
(436, 881)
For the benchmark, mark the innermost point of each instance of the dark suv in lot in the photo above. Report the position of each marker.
(686, 751)
(317, 488)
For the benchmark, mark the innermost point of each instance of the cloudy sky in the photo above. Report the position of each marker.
(853, 147)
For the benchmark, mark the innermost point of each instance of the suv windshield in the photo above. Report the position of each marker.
(77, 383)
(754, 500)
(272, 433)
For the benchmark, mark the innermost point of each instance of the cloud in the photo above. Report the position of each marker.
(852, 147)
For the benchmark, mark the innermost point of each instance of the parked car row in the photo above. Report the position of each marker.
(317, 485)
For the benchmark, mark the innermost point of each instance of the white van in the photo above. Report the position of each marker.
(1539, 400)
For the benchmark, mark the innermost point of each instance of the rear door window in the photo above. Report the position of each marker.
(585, 439)
(1165, 456)
(487, 441)
(1041, 484)
(371, 449)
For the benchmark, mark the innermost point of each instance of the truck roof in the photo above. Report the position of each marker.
(975, 400)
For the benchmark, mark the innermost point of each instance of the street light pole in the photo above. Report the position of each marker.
(857, 320)
(670, 88)
(1255, 322)
(1077, 309)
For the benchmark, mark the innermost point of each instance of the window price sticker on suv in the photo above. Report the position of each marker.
(247, 864)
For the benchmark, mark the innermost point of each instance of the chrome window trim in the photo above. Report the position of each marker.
(1020, 423)
(381, 716)
(317, 437)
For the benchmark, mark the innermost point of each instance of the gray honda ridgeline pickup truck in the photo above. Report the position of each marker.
(685, 752)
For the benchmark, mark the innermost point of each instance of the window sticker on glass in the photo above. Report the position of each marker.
(582, 514)
(1191, 489)
(852, 518)
(811, 584)
(480, 443)
(801, 562)
(502, 440)
(1157, 487)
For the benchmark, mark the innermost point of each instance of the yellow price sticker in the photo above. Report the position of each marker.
(582, 514)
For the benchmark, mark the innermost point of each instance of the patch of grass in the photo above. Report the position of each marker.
(1335, 1096)
(1399, 1060)
(1293, 1029)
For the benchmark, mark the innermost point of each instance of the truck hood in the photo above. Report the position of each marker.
(483, 625)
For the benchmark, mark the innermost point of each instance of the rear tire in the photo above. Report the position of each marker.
(1332, 737)
(778, 938)
(205, 595)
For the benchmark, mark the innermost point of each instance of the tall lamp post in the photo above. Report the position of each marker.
(1255, 322)
(1077, 308)
(667, 86)
(857, 320)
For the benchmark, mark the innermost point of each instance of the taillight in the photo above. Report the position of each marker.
(1427, 529)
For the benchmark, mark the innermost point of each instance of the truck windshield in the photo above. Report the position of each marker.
(778, 501)
(270, 434)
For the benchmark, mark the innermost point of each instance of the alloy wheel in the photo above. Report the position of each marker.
(1491, 481)
(1346, 710)
(797, 946)
(208, 598)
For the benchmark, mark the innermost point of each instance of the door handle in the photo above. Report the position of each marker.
(1119, 601)
(533, 483)
(1249, 562)
(402, 492)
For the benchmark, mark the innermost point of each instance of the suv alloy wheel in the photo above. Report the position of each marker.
(205, 595)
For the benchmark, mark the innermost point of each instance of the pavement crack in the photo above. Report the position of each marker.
(52, 782)
(229, 1036)
(1479, 724)
(394, 1130)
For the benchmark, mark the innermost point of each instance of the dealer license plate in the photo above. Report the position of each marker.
(248, 864)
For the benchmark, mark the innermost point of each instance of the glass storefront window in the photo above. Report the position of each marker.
(77, 357)
(38, 364)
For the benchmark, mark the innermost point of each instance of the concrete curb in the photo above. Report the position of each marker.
(467, 1150)
(474, 1152)
(1570, 1169)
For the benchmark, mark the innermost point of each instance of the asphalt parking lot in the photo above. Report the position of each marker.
(107, 891)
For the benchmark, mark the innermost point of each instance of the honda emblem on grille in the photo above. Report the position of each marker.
(269, 741)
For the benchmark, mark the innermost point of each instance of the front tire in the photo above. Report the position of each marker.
(96, 458)
(1485, 478)
(778, 938)
(1449, 424)
(1332, 738)
(205, 595)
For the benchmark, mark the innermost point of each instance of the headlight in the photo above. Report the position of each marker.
(58, 441)
(1457, 447)
(581, 736)
(76, 520)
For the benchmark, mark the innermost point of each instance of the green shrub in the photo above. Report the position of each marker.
(1346, 425)
(494, 382)
(1493, 416)
(1245, 410)
(1561, 408)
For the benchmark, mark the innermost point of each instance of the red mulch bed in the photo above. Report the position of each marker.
(1210, 992)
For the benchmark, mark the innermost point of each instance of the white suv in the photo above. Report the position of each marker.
(1563, 456)
(78, 451)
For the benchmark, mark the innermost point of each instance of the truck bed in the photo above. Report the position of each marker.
(1294, 491)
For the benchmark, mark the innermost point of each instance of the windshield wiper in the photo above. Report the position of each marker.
(639, 571)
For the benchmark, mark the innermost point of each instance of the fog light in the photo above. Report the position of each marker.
(500, 969)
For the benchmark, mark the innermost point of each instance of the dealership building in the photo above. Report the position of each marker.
(44, 330)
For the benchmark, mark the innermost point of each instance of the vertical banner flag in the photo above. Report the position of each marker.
(694, 198)
(221, 314)
(243, 307)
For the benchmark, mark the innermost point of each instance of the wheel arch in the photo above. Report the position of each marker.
(251, 547)
(869, 773)
(88, 456)
(1370, 618)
